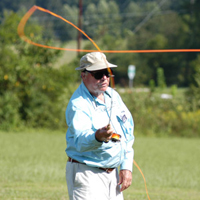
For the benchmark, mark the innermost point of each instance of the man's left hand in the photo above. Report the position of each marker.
(125, 178)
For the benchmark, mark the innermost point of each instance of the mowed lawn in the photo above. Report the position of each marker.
(32, 166)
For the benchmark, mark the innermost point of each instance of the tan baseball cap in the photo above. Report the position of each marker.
(94, 61)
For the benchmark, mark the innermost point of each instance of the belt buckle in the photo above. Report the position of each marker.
(109, 170)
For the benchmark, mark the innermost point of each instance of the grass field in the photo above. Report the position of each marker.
(32, 166)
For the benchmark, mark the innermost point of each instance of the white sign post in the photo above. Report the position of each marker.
(131, 74)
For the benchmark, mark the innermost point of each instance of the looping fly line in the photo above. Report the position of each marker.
(24, 20)
(34, 8)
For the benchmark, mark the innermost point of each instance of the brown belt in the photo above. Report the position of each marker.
(108, 170)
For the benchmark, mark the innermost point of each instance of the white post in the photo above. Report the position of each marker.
(131, 74)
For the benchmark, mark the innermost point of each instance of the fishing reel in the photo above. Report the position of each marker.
(115, 137)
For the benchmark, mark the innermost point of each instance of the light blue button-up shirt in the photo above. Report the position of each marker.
(85, 114)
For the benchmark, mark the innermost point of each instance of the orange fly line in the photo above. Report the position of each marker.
(24, 20)
(34, 8)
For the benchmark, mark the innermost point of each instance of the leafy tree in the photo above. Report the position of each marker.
(115, 20)
(102, 19)
(14, 5)
(65, 31)
(152, 86)
(192, 28)
(161, 78)
(90, 23)
(30, 82)
(193, 94)
(9, 101)
(131, 16)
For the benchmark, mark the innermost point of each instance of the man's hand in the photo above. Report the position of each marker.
(125, 178)
(104, 134)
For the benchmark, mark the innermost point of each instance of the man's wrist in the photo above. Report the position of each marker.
(97, 138)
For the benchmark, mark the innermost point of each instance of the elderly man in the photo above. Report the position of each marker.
(95, 114)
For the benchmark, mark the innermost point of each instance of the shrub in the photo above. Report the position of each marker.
(9, 111)
(31, 85)
(162, 117)
(161, 78)
(193, 94)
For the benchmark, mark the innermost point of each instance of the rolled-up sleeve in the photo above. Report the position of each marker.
(80, 129)
(127, 163)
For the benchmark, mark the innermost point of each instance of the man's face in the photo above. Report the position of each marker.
(96, 81)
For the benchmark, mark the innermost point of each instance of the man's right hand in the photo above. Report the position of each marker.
(104, 134)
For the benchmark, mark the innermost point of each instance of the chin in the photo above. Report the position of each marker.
(103, 88)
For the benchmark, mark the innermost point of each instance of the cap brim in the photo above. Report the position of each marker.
(97, 66)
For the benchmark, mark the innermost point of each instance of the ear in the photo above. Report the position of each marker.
(83, 75)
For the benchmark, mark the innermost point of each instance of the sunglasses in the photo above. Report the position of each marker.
(99, 74)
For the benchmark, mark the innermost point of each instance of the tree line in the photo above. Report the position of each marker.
(128, 25)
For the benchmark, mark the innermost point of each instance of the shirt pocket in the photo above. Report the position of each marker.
(126, 126)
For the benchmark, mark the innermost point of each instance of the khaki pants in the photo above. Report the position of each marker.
(90, 183)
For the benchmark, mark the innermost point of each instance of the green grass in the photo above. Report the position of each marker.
(32, 166)
(170, 166)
